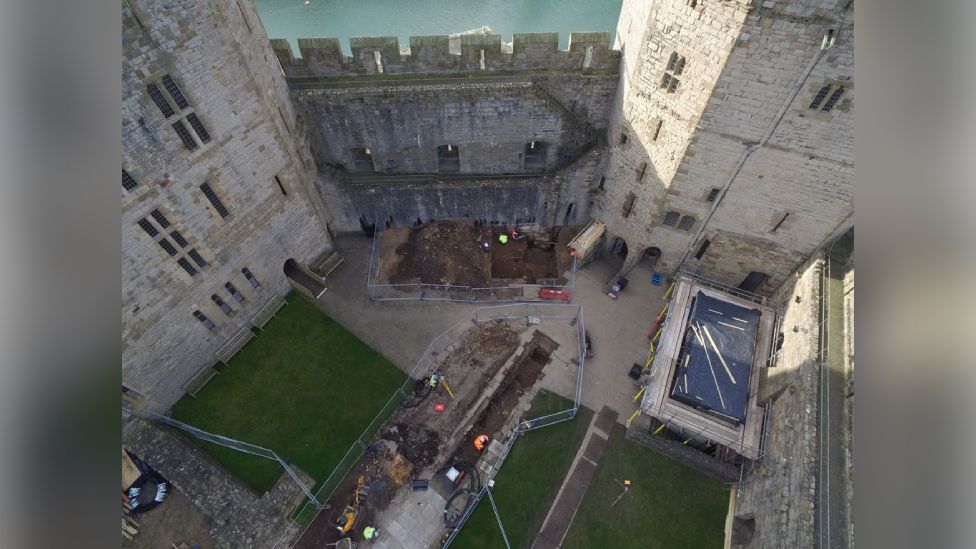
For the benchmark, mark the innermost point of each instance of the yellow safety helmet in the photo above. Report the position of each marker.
(503, 238)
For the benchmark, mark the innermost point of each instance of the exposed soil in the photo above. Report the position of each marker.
(444, 252)
(501, 404)
(418, 444)
(413, 439)
(451, 252)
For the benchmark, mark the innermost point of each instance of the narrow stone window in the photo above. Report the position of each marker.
(834, 98)
(588, 57)
(818, 99)
(160, 218)
(281, 187)
(244, 17)
(214, 200)
(657, 130)
(686, 223)
(780, 222)
(834, 92)
(234, 293)
(603, 181)
(250, 277)
(204, 320)
(148, 227)
(623, 139)
(448, 159)
(198, 127)
(174, 92)
(671, 218)
(676, 65)
(628, 204)
(175, 235)
(185, 136)
(127, 182)
(222, 304)
(170, 249)
(712, 195)
(195, 256)
(569, 212)
(702, 249)
(535, 156)
(362, 160)
(186, 266)
(378, 57)
(641, 171)
(159, 100)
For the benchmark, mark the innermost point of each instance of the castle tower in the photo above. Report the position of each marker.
(217, 188)
(733, 142)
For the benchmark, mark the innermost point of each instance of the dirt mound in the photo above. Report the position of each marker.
(445, 252)
(417, 443)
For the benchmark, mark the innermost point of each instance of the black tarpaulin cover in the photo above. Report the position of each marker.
(715, 361)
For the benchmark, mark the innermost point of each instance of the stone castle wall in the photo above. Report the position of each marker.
(778, 490)
(742, 62)
(490, 116)
(434, 54)
(217, 54)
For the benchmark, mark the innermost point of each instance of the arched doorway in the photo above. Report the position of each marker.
(618, 253)
(650, 258)
(303, 280)
(753, 281)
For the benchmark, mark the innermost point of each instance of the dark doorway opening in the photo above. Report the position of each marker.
(368, 225)
(298, 276)
(448, 159)
(362, 161)
(753, 281)
(569, 212)
(535, 156)
(650, 258)
(618, 253)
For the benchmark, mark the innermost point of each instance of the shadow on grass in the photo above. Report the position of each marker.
(305, 388)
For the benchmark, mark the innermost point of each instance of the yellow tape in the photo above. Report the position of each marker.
(448, 387)
(639, 393)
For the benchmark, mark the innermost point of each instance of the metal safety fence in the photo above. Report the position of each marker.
(440, 347)
(234, 444)
(528, 311)
(376, 290)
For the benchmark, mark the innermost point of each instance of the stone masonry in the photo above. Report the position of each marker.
(376, 135)
(778, 491)
(717, 133)
(219, 58)
(734, 150)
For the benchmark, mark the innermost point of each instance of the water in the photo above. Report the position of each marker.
(293, 19)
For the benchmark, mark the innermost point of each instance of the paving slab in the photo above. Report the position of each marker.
(574, 487)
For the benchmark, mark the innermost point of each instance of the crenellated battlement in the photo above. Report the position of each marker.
(456, 53)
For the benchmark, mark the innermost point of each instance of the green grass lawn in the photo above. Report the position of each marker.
(305, 388)
(669, 505)
(529, 479)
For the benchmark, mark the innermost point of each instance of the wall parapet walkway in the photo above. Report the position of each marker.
(588, 51)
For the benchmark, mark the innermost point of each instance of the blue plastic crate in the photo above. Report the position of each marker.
(656, 279)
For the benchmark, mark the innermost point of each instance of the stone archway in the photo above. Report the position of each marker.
(650, 258)
(302, 279)
(618, 253)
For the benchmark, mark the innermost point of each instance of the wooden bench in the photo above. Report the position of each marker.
(267, 312)
(234, 344)
(199, 379)
(326, 263)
